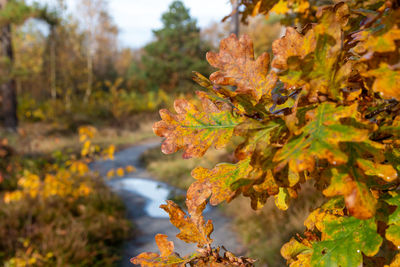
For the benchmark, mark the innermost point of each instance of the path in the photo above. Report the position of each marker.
(147, 227)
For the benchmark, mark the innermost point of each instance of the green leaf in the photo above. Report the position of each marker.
(393, 231)
(320, 138)
(344, 239)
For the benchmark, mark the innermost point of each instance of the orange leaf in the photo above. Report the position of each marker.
(193, 228)
(194, 129)
(239, 68)
(221, 183)
(293, 44)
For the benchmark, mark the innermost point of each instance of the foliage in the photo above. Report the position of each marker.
(167, 62)
(18, 11)
(327, 111)
(58, 212)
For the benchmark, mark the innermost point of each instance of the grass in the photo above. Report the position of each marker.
(263, 232)
(44, 138)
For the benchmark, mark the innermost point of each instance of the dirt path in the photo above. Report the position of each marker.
(147, 227)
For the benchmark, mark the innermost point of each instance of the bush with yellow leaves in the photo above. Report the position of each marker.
(59, 214)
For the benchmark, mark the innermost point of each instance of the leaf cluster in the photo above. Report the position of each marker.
(324, 107)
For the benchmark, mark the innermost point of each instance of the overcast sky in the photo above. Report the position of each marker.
(136, 18)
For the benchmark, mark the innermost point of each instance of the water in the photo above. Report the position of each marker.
(155, 192)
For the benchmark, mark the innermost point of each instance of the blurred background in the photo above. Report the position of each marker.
(82, 80)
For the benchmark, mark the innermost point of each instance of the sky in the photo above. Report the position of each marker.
(137, 18)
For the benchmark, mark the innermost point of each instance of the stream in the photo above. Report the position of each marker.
(142, 196)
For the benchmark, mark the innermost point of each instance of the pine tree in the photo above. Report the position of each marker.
(167, 62)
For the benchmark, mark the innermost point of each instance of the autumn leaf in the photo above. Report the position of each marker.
(256, 134)
(296, 253)
(239, 68)
(193, 229)
(395, 262)
(393, 232)
(195, 130)
(221, 182)
(387, 81)
(344, 240)
(166, 258)
(359, 200)
(259, 192)
(282, 199)
(320, 138)
(292, 45)
(369, 41)
(384, 171)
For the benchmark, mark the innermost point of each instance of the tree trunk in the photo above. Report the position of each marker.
(90, 75)
(8, 86)
(235, 17)
(53, 63)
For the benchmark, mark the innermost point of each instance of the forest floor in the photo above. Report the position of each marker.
(147, 226)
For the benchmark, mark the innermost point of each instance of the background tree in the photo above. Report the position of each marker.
(8, 88)
(167, 62)
(15, 12)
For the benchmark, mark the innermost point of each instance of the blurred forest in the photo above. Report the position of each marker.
(59, 67)
(62, 71)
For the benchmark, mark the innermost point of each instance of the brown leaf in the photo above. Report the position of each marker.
(239, 68)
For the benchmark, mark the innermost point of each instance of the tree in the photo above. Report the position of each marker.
(325, 109)
(178, 49)
(97, 23)
(14, 12)
(8, 87)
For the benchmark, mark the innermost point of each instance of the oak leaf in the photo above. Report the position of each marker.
(296, 253)
(166, 258)
(393, 231)
(387, 81)
(384, 171)
(293, 44)
(369, 41)
(193, 228)
(221, 182)
(344, 240)
(359, 200)
(239, 68)
(195, 130)
(320, 138)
